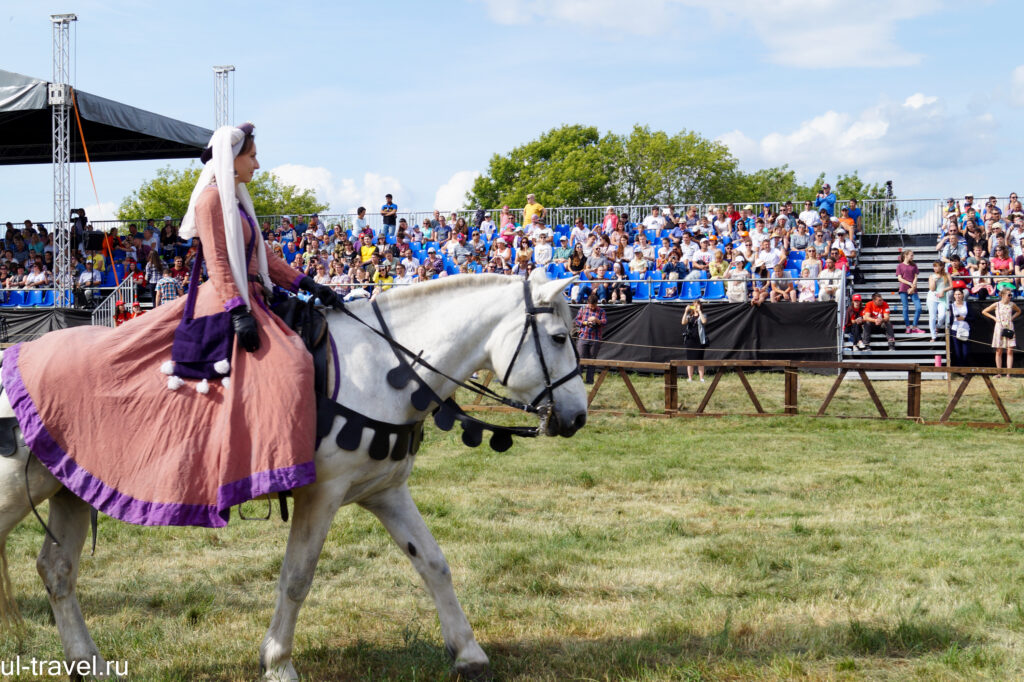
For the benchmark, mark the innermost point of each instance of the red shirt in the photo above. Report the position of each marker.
(873, 310)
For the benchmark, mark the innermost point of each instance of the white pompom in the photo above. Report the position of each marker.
(174, 383)
(222, 366)
(167, 367)
(203, 387)
(226, 382)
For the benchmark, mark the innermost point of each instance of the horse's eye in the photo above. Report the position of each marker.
(559, 338)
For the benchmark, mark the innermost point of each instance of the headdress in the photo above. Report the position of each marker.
(219, 160)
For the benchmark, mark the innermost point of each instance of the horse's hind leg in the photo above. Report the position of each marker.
(397, 511)
(58, 567)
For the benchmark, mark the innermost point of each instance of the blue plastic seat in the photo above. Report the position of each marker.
(692, 291)
(715, 290)
(14, 298)
(642, 291)
(792, 274)
(48, 298)
(108, 278)
(669, 291)
(34, 297)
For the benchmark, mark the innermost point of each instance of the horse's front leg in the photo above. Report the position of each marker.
(397, 511)
(315, 507)
(58, 567)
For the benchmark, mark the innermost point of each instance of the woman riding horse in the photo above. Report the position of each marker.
(196, 452)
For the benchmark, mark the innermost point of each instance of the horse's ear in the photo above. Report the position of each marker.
(538, 277)
(549, 291)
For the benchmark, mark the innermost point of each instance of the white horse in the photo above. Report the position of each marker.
(461, 324)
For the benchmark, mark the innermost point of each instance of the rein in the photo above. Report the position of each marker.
(448, 411)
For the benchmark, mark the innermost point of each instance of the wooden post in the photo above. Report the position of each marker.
(671, 390)
(914, 393)
(792, 377)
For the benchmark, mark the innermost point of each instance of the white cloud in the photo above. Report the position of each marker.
(106, 210)
(344, 195)
(452, 194)
(1017, 87)
(800, 33)
(914, 137)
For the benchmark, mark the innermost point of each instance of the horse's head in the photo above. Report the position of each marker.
(533, 354)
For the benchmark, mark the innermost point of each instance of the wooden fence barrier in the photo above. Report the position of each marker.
(791, 370)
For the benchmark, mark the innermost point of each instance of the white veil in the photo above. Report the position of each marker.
(225, 145)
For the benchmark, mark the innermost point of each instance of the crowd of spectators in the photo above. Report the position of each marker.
(758, 254)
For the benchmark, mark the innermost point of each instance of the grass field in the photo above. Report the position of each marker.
(712, 549)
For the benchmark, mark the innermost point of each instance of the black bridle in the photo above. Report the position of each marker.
(530, 325)
(400, 376)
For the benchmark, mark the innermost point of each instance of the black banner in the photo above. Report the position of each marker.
(25, 324)
(979, 350)
(652, 332)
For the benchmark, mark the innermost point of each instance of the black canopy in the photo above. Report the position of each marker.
(113, 131)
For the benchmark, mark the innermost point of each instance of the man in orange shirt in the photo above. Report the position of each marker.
(876, 314)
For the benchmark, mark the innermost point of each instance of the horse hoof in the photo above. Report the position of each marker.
(282, 673)
(479, 671)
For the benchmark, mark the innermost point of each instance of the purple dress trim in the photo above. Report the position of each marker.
(295, 283)
(119, 505)
(233, 303)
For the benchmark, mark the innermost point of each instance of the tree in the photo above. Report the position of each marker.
(767, 184)
(168, 194)
(685, 168)
(567, 166)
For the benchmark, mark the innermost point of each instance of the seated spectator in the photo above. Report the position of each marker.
(672, 271)
(876, 316)
(718, 265)
(37, 278)
(781, 288)
(855, 322)
(810, 217)
(577, 260)
(619, 290)
(654, 221)
(982, 284)
(828, 281)
(17, 280)
(959, 273)
(89, 283)
(562, 252)
(120, 313)
(805, 286)
(700, 261)
(1002, 268)
(800, 239)
(402, 275)
(736, 282)
(542, 252)
(843, 243)
(950, 244)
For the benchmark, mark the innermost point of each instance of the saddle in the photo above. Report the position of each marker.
(310, 323)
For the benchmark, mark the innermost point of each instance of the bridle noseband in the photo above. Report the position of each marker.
(532, 312)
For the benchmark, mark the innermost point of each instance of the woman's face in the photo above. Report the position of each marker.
(246, 164)
(958, 295)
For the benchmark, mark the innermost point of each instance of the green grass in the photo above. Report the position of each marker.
(713, 549)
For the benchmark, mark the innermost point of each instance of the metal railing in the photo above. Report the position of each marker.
(879, 216)
(103, 314)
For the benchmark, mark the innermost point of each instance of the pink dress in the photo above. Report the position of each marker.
(95, 409)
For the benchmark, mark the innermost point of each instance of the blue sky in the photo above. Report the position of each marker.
(358, 99)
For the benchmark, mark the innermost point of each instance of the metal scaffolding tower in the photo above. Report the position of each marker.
(60, 103)
(221, 102)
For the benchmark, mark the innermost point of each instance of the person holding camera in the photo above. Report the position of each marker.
(1003, 312)
(826, 199)
(695, 338)
(590, 321)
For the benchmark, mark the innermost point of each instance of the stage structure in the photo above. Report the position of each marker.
(60, 105)
(39, 119)
(221, 88)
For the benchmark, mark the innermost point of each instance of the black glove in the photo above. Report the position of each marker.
(324, 293)
(245, 329)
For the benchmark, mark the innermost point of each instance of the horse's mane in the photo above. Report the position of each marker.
(421, 290)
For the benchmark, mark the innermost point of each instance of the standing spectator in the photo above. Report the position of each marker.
(154, 268)
(826, 200)
(960, 327)
(809, 216)
(389, 216)
(939, 284)
(906, 274)
(1003, 312)
(855, 323)
(855, 213)
(611, 220)
(167, 288)
(590, 321)
(876, 314)
(695, 338)
(531, 209)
